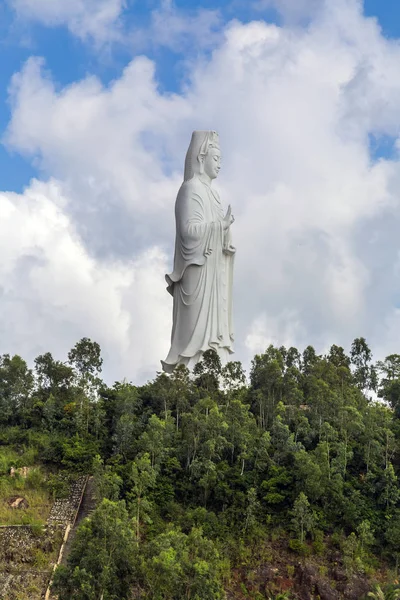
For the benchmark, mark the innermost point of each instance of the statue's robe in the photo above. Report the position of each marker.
(201, 282)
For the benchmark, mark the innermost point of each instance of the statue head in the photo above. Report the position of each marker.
(203, 155)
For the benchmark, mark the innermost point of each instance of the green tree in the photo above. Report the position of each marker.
(101, 564)
(392, 537)
(266, 378)
(241, 431)
(350, 547)
(252, 512)
(125, 435)
(276, 486)
(142, 479)
(365, 536)
(233, 376)
(389, 485)
(156, 438)
(53, 376)
(389, 388)
(181, 391)
(55, 393)
(365, 374)
(302, 517)
(107, 483)
(16, 386)
(85, 357)
(183, 566)
(208, 371)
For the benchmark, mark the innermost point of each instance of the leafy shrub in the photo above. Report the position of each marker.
(40, 559)
(318, 542)
(35, 479)
(58, 486)
(290, 570)
(37, 527)
(300, 548)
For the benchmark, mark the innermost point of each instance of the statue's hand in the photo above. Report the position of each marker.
(229, 218)
(230, 250)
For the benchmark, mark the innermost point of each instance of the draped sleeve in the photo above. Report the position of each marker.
(197, 231)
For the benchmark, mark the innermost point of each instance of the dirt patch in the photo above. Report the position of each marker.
(18, 502)
(278, 570)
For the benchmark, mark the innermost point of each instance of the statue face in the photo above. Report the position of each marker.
(212, 163)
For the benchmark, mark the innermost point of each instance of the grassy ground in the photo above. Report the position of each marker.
(33, 488)
(26, 561)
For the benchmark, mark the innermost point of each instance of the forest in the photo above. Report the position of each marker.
(206, 482)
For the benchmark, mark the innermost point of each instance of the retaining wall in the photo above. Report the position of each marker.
(21, 548)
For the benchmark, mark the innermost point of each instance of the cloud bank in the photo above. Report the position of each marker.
(317, 214)
(96, 20)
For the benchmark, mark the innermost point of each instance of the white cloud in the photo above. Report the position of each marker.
(98, 20)
(293, 11)
(106, 145)
(280, 330)
(180, 29)
(52, 292)
(316, 219)
(102, 22)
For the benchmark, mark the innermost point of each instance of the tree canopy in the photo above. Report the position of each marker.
(188, 464)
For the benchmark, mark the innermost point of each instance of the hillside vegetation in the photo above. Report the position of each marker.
(209, 485)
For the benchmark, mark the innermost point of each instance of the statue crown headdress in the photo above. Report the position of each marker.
(200, 144)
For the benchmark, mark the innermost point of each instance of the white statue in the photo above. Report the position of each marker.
(201, 282)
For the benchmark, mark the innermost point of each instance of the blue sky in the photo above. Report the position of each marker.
(69, 58)
(387, 13)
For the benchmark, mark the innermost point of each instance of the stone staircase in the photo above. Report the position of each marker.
(64, 510)
(16, 542)
(87, 506)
